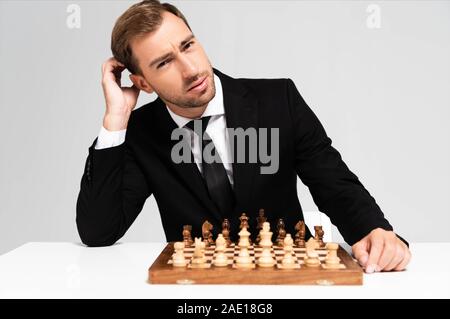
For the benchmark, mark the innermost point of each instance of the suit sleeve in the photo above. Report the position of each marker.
(112, 193)
(336, 191)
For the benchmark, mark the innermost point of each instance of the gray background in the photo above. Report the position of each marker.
(383, 96)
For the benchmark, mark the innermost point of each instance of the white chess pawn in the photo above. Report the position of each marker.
(312, 257)
(244, 260)
(332, 261)
(221, 259)
(199, 252)
(312, 243)
(244, 236)
(178, 259)
(288, 260)
(266, 259)
(265, 231)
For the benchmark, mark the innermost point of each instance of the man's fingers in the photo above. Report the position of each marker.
(381, 250)
(361, 254)
(112, 70)
(109, 64)
(376, 248)
(397, 259)
(405, 261)
(388, 254)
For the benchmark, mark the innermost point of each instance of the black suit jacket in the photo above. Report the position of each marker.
(118, 180)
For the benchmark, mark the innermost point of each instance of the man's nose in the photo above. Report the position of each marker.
(189, 68)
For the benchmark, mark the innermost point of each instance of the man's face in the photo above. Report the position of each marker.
(172, 61)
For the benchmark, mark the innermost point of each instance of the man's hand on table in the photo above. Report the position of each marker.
(381, 250)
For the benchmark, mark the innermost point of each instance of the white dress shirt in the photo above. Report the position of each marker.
(216, 130)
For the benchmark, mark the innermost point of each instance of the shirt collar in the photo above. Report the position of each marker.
(215, 106)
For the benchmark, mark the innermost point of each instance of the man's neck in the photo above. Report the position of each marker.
(188, 112)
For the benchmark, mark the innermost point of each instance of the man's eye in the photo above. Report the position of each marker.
(163, 63)
(188, 45)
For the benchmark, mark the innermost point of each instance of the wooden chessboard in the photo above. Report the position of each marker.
(162, 271)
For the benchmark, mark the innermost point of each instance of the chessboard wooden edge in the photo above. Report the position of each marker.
(163, 273)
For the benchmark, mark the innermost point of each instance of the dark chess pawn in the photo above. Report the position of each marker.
(261, 219)
(207, 233)
(226, 231)
(187, 237)
(281, 229)
(318, 236)
(300, 235)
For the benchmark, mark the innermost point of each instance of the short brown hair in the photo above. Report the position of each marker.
(140, 19)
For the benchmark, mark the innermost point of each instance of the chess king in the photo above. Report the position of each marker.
(132, 156)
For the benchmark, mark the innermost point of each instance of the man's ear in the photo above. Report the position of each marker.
(140, 82)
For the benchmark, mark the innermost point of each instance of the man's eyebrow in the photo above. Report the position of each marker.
(165, 56)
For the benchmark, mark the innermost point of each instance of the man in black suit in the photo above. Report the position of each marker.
(135, 154)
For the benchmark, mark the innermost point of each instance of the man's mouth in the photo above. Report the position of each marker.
(198, 85)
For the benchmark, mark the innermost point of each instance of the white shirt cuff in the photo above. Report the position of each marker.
(108, 139)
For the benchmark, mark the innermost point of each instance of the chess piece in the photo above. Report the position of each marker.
(266, 259)
(281, 229)
(312, 257)
(332, 261)
(221, 259)
(300, 235)
(288, 261)
(261, 219)
(244, 260)
(207, 234)
(178, 258)
(312, 243)
(226, 231)
(187, 238)
(198, 258)
(244, 223)
(318, 235)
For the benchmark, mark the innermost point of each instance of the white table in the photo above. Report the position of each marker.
(68, 270)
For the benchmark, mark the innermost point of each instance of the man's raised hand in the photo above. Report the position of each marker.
(120, 101)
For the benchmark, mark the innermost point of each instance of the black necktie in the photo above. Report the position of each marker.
(214, 174)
